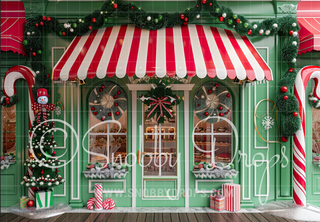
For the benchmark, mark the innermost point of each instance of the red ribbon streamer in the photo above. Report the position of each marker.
(160, 103)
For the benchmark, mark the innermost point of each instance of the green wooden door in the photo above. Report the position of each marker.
(160, 173)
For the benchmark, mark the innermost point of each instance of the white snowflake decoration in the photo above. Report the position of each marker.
(267, 122)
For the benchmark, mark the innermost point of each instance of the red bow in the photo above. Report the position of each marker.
(160, 103)
(37, 106)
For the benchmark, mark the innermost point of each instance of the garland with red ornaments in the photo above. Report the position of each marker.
(286, 26)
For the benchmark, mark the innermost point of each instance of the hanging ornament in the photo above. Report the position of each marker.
(275, 25)
(267, 32)
(197, 16)
(204, 1)
(284, 89)
(217, 10)
(284, 139)
(117, 113)
(28, 33)
(249, 32)
(224, 15)
(89, 27)
(295, 33)
(238, 20)
(93, 20)
(25, 42)
(41, 23)
(65, 25)
(115, 6)
(37, 25)
(34, 53)
(267, 122)
(294, 24)
(290, 32)
(71, 30)
(294, 60)
(294, 43)
(148, 18)
(295, 114)
(261, 31)
(48, 19)
(221, 19)
(291, 69)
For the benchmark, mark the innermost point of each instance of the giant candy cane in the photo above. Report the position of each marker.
(299, 160)
(9, 89)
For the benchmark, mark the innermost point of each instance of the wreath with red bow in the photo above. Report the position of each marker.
(160, 100)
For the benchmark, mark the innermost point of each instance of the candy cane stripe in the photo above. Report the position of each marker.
(299, 160)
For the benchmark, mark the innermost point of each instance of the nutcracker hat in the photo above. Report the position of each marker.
(42, 92)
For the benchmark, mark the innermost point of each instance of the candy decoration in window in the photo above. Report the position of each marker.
(212, 99)
(108, 101)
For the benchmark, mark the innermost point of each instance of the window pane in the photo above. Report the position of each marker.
(160, 150)
(9, 130)
(205, 133)
(315, 132)
(104, 139)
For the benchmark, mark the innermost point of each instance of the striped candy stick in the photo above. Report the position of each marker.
(90, 203)
(299, 146)
(10, 78)
(98, 196)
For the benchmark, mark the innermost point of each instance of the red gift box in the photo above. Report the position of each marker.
(231, 192)
(219, 202)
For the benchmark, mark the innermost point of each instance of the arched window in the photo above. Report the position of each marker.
(108, 117)
(212, 132)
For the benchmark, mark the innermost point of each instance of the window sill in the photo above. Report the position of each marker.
(214, 174)
(105, 174)
(316, 162)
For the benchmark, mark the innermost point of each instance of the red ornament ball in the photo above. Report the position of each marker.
(185, 23)
(92, 108)
(30, 203)
(89, 27)
(285, 97)
(198, 104)
(48, 19)
(115, 96)
(44, 18)
(291, 69)
(314, 101)
(206, 113)
(34, 53)
(7, 99)
(100, 89)
(291, 32)
(209, 91)
(63, 33)
(220, 107)
(284, 139)
(221, 114)
(93, 20)
(216, 85)
(228, 95)
(249, 32)
(102, 86)
(118, 92)
(41, 23)
(186, 19)
(102, 118)
(109, 114)
(210, 4)
(204, 1)
(284, 89)
(197, 6)
(117, 113)
(37, 25)
(182, 16)
(221, 19)
(132, 7)
(48, 76)
(238, 20)
(115, 6)
(295, 114)
(116, 104)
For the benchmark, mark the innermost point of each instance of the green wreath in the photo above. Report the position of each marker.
(160, 100)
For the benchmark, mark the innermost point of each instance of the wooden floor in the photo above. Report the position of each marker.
(152, 217)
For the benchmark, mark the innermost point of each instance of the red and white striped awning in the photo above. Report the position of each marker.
(181, 50)
(12, 21)
(308, 16)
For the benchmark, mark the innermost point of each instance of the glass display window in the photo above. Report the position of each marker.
(212, 133)
(108, 117)
(160, 146)
(316, 134)
(9, 130)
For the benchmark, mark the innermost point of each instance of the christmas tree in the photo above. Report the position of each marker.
(42, 163)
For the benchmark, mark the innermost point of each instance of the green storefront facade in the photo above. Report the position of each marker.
(265, 169)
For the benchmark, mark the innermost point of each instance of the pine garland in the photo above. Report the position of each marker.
(286, 26)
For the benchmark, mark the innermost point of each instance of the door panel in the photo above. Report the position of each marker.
(160, 176)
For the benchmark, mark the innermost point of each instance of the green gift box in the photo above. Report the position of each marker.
(23, 202)
(44, 199)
